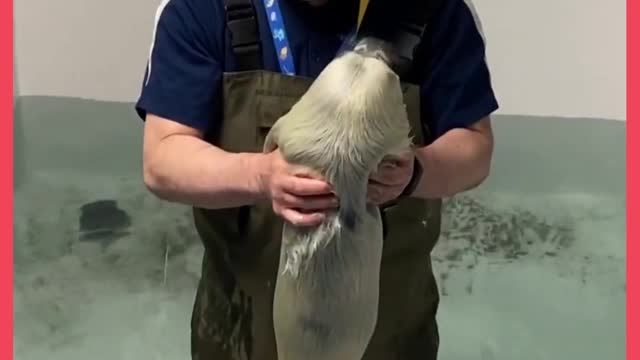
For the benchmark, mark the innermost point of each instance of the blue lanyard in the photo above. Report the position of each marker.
(281, 42)
(349, 41)
(279, 35)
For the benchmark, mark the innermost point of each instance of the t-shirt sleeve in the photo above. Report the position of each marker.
(183, 74)
(457, 90)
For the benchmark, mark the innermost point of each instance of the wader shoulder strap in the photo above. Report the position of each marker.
(245, 38)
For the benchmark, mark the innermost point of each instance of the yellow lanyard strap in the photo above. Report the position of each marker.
(362, 10)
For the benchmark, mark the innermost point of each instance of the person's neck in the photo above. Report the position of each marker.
(335, 15)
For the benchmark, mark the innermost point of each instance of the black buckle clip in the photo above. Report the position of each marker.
(242, 23)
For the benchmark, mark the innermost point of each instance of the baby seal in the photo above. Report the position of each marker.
(326, 296)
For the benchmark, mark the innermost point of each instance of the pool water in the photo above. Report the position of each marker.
(518, 279)
(531, 265)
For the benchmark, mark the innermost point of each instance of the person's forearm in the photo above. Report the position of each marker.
(457, 161)
(187, 170)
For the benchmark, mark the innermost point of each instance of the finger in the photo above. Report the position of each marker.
(298, 218)
(392, 164)
(400, 159)
(374, 193)
(377, 175)
(304, 187)
(314, 202)
(372, 199)
(388, 178)
(380, 194)
(396, 162)
(304, 172)
(296, 170)
(375, 200)
(374, 182)
(383, 174)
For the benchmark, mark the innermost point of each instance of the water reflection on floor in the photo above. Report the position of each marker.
(537, 277)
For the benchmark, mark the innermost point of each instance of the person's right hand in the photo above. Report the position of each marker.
(298, 194)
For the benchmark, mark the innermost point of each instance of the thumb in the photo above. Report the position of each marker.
(306, 172)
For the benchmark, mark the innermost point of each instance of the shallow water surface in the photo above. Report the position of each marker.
(530, 265)
(528, 279)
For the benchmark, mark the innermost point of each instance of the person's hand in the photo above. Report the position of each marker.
(298, 194)
(391, 177)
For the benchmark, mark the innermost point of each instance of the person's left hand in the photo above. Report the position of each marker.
(391, 177)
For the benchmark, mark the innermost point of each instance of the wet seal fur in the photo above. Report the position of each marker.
(326, 296)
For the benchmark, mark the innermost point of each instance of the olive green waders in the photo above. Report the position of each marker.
(232, 316)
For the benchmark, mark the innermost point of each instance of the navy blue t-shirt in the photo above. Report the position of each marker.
(191, 49)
